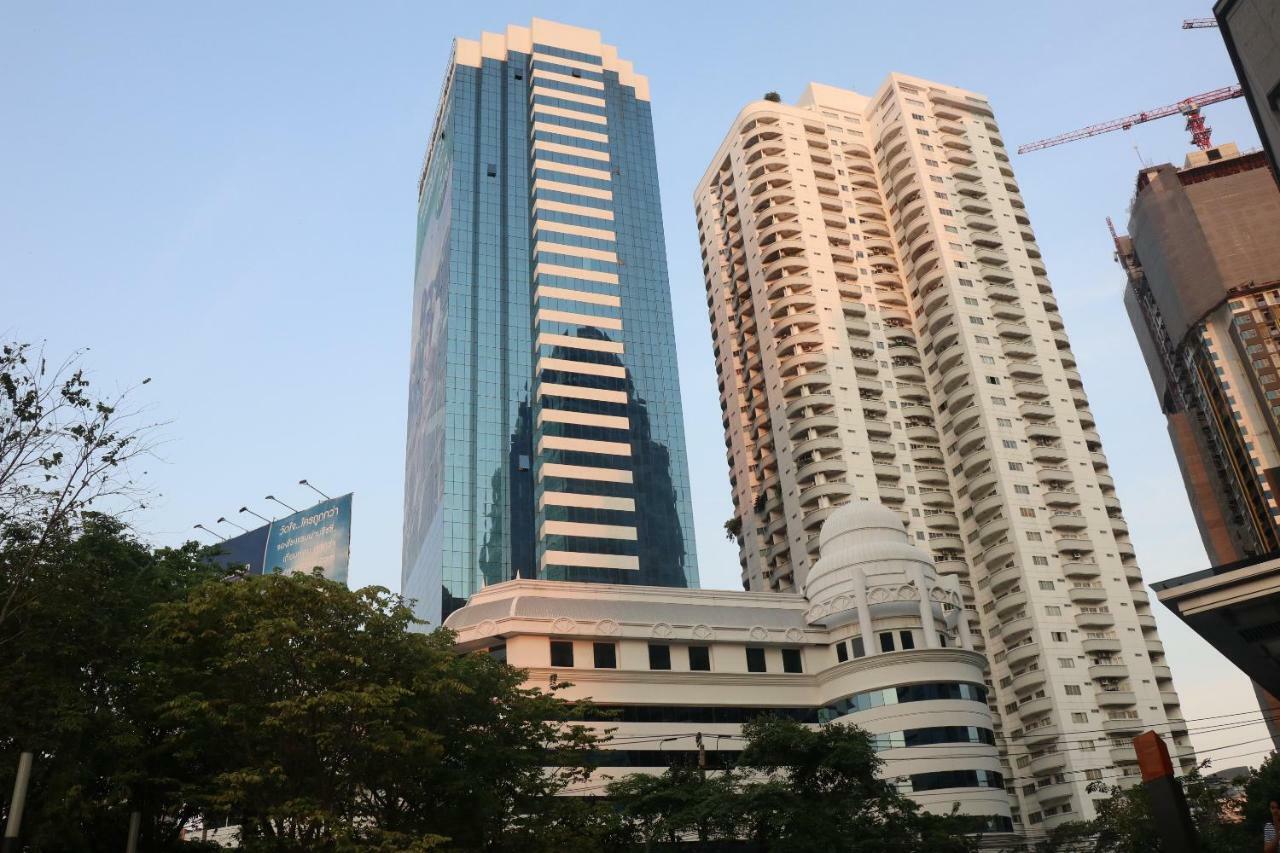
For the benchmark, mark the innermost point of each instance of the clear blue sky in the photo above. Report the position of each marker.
(222, 197)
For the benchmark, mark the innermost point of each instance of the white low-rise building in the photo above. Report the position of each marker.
(873, 640)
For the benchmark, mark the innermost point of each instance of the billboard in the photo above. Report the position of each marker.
(317, 536)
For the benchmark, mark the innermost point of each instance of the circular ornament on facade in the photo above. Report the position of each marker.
(759, 633)
(907, 592)
(662, 629)
(939, 594)
(840, 602)
(487, 628)
(794, 635)
(877, 595)
(703, 632)
(607, 627)
(563, 625)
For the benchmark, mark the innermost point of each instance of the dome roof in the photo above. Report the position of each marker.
(866, 535)
(861, 517)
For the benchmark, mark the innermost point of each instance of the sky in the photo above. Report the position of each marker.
(222, 197)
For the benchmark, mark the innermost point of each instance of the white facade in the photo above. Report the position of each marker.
(876, 642)
(884, 330)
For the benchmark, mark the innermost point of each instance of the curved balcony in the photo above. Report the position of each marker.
(1041, 734)
(1050, 762)
(1028, 680)
(1074, 544)
(1067, 521)
(1019, 348)
(1094, 645)
(927, 454)
(1037, 411)
(922, 433)
(998, 555)
(816, 381)
(823, 443)
(1010, 602)
(942, 541)
(799, 404)
(822, 466)
(1161, 671)
(1016, 657)
(1003, 578)
(1083, 592)
(1115, 698)
(1086, 619)
(1081, 569)
(832, 491)
(1108, 670)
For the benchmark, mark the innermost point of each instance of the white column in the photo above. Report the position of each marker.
(869, 644)
(926, 608)
(966, 638)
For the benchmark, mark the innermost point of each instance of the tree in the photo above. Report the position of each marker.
(733, 529)
(315, 718)
(796, 789)
(62, 451)
(72, 692)
(773, 97)
(1124, 822)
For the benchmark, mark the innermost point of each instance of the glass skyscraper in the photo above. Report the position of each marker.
(545, 436)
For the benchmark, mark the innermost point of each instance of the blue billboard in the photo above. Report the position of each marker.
(317, 537)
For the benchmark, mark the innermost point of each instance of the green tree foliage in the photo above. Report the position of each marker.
(1124, 823)
(318, 721)
(72, 691)
(796, 790)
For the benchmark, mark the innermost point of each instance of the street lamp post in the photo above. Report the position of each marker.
(282, 503)
(314, 489)
(210, 532)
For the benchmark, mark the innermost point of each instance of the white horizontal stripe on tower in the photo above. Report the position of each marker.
(600, 395)
(576, 251)
(586, 368)
(578, 230)
(550, 315)
(586, 501)
(572, 189)
(548, 74)
(547, 110)
(590, 531)
(584, 472)
(568, 416)
(583, 445)
(590, 561)
(566, 62)
(566, 207)
(570, 169)
(573, 150)
(550, 339)
(564, 130)
(577, 296)
(541, 268)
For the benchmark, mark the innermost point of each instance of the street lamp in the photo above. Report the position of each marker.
(282, 503)
(225, 520)
(314, 489)
(254, 514)
(210, 532)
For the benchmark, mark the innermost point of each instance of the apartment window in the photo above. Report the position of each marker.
(945, 211)
(929, 162)
(1007, 424)
(908, 641)
(886, 641)
(842, 652)
(1039, 561)
(997, 401)
(561, 653)
(1046, 585)
(1015, 466)
(977, 321)
(935, 179)
(1066, 663)
(981, 339)
(1011, 444)
(1024, 511)
(917, 116)
(659, 656)
(700, 658)
(1052, 610)
(1019, 490)
(755, 659)
(606, 655)
(1059, 636)
(969, 300)
(859, 650)
(1079, 717)
(986, 359)
(1033, 536)
(792, 661)
(1071, 689)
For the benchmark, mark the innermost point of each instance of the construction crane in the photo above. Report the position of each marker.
(1189, 107)
(1199, 23)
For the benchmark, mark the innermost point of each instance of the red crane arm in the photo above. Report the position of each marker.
(1226, 93)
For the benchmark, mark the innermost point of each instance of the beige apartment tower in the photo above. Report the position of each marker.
(884, 331)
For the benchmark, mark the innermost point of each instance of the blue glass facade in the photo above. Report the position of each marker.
(545, 434)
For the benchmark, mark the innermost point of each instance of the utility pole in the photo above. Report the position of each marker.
(702, 756)
(135, 824)
(13, 826)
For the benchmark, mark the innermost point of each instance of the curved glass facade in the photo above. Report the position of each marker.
(545, 433)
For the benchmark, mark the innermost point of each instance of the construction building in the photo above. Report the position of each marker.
(1251, 30)
(884, 330)
(1202, 259)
